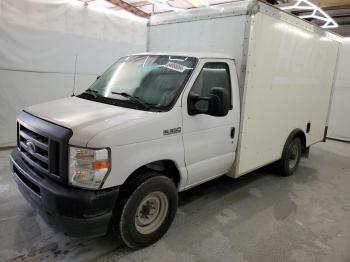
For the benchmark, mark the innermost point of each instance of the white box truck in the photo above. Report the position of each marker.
(223, 90)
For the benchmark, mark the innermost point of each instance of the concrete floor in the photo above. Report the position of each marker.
(259, 217)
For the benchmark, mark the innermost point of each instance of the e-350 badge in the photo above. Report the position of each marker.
(172, 131)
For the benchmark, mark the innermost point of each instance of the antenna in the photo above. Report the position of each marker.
(75, 74)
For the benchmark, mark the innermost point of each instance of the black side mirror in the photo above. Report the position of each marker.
(98, 77)
(197, 105)
(216, 104)
(220, 102)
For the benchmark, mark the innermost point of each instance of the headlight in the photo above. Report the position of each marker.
(88, 167)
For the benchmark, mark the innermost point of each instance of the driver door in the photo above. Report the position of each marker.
(210, 141)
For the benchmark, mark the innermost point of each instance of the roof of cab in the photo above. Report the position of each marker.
(190, 54)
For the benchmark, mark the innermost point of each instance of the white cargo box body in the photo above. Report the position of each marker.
(287, 68)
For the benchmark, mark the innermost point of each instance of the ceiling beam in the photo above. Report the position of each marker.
(130, 8)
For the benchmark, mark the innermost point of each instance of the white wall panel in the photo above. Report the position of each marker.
(339, 122)
(39, 43)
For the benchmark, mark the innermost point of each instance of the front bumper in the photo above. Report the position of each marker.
(76, 212)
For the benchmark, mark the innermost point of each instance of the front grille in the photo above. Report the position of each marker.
(34, 149)
(43, 146)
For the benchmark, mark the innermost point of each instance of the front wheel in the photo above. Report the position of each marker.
(291, 157)
(148, 212)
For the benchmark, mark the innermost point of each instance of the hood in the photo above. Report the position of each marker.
(88, 118)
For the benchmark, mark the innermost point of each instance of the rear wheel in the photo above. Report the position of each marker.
(290, 157)
(148, 212)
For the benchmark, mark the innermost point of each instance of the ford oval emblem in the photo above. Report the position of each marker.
(31, 147)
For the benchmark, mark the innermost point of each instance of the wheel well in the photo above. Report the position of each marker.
(166, 167)
(300, 134)
(302, 137)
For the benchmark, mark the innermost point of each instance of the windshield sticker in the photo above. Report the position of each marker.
(175, 66)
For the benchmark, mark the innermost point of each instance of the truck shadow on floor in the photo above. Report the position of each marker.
(223, 198)
(261, 189)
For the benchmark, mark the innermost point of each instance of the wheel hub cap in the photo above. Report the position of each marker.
(293, 156)
(151, 212)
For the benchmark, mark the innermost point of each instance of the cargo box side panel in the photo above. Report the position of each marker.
(221, 35)
(288, 84)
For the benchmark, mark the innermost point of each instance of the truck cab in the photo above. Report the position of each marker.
(113, 158)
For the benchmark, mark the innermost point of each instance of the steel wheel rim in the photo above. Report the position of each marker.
(151, 212)
(293, 156)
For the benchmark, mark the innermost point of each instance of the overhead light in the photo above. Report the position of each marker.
(315, 13)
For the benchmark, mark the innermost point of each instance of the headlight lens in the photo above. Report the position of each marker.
(88, 167)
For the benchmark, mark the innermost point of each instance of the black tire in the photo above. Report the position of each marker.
(150, 185)
(290, 157)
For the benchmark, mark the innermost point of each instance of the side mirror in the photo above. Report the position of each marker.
(220, 102)
(98, 77)
(197, 105)
(217, 104)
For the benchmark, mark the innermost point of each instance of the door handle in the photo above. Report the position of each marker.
(233, 132)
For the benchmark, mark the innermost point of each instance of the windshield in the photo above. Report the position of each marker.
(143, 80)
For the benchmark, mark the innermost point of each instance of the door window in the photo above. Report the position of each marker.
(212, 75)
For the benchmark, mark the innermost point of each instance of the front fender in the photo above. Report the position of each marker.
(127, 158)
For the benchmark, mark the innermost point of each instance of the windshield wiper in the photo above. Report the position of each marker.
(159, 107)
(93, 93)
(134, 99)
